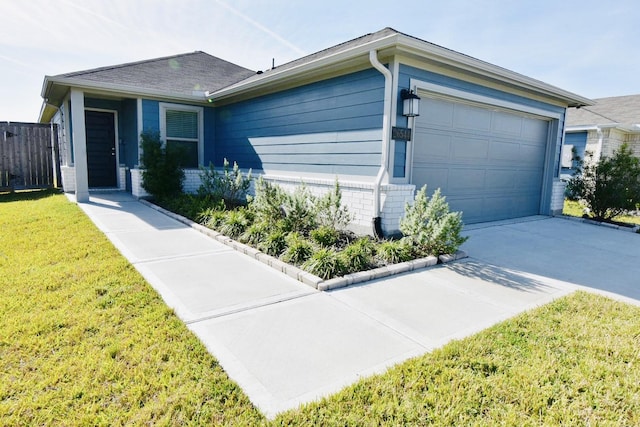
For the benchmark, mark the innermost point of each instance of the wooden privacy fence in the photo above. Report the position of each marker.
(28, 156)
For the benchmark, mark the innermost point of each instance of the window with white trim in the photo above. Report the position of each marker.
(181, 126)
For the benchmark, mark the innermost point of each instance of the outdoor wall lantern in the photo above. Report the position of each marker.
(410, 103)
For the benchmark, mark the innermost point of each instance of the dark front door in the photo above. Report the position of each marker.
(101, 149)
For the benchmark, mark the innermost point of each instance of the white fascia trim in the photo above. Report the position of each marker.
(118, 89)
(416, 47)
(274, 76)
(623, 128)
(581, 128)
(467, 96)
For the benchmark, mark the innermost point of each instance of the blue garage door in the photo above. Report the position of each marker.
(488, 162)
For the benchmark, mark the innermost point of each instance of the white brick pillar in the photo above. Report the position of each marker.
(79, 146)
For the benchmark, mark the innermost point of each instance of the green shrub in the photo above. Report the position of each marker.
(298, 210)
(329, 210)
(255, 233)
(231, 185)
(268, 201)
(325, 263)
(394, 251)
(206, 208)
(358, 256)
(610, 187)
(429, 226)
(273, 243)
(215, 219)
(298, 249)
(162, 176)
(235, 223)
(325, 236)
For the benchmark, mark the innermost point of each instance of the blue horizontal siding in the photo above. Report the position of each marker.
(333, 126)
(150, 115)
(579, 142)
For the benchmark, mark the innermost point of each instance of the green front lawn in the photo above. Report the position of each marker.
(574, 208)
(84, 340)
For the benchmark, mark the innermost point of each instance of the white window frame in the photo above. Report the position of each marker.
(190, 108)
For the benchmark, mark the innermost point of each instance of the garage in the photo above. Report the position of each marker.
(489, 161)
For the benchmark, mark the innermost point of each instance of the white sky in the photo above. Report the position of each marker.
(590, 47)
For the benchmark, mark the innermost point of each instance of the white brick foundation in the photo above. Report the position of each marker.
(136, 184)
(557, 197)
(68, 178)
(122, 177)
(357, 196)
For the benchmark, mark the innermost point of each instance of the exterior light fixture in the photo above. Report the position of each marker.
(410, 103)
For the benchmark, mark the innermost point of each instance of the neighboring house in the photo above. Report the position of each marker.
(488, 137)
(601, 129)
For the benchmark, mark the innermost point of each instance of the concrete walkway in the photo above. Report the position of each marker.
(285, 343)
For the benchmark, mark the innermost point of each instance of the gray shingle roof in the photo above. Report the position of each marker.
(622, 110)
(179, 74)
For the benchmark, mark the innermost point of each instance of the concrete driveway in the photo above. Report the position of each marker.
(596, 257)
(286, 344)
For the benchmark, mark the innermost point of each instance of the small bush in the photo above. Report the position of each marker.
(215, 219)
(255, 233)
(393, 251)
(273, 243)
(325, 263)
(268, 201)
(298, 249)
(206, 209)
(610, 187)
(429, 226)
(162, 176)
(329, 210)
(298, 210)
(235, 223)
(230, 186)
(358, 256)
(325, 236)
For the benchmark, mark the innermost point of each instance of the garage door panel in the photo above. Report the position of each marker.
(504, 151)
(437, 112)
(489, 164)
(462, 180)
(506, 123)
(469, 117)
(432, 177)
(470, 149)
(468, 207)
(532, 154)
(501, 180)
(528, 180)
(438, 150)
(498, 207)
(535, 130)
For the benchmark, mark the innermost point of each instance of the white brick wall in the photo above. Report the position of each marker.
(191, 181)
(136, 184)
(122, 178)
(557, 197)
(357, 196)
(68, 178)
